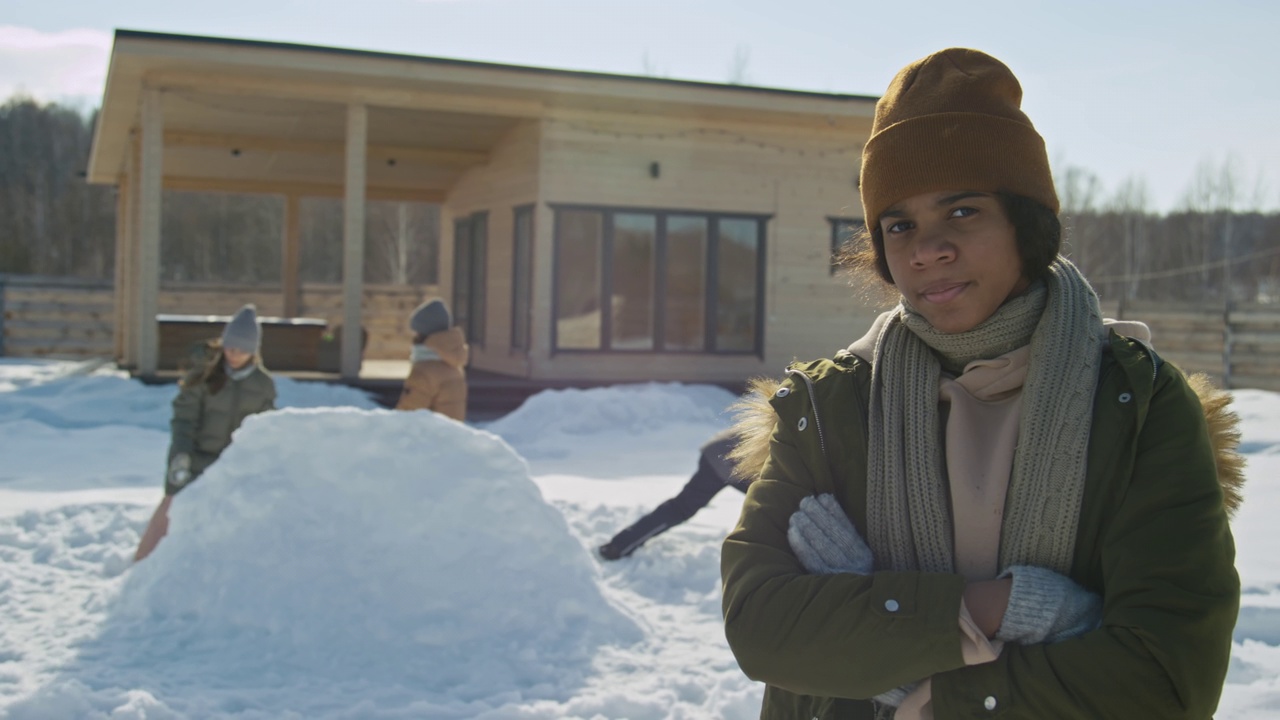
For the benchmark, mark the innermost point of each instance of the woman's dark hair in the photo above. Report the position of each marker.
(210, 370)
(1036, 227)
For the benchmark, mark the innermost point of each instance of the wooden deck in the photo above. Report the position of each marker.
(489, 395)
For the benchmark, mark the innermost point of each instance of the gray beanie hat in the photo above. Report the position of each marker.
(243, 333)
(430, 317)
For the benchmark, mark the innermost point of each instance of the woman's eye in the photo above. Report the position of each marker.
(898, 227)
(963, 211)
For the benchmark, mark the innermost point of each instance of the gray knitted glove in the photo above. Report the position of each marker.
(1046, 607)
(179, 473)
(894, 697)
(825, 541)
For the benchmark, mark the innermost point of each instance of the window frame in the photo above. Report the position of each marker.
(837, 222)
(470, 257)
(710, 288)
(522, 278)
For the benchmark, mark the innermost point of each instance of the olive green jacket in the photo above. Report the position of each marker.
(203, 421)
(1153, 541)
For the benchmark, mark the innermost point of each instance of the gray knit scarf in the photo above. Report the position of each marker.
(908, 507)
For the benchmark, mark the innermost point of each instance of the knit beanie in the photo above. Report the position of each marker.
(243, 332)
(430, 317)
(953, 121)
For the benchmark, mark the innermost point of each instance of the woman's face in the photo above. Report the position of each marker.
(237, 358)
(953, 255)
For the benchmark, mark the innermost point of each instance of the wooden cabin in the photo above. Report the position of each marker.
(596, 227)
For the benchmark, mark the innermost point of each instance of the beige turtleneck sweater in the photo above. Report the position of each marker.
(981, 410)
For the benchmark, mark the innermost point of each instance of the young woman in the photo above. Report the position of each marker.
(437, 379)
(225, 386)
(994, 504)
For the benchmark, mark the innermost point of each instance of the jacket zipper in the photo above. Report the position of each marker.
(817, 423)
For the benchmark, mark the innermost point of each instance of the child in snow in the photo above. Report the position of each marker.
(714, 473)
(993, 504)
(437, 380)
(226, 384)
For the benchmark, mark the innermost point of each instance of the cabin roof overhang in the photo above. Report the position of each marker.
(263, 115)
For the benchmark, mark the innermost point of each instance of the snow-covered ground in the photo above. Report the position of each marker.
(342, 561)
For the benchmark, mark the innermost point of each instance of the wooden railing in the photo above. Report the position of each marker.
(1237, 345)
(75, 318)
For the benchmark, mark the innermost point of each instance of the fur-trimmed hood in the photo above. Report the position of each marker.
(755, 419)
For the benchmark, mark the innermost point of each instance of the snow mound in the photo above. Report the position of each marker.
(371, 546)
(62, 396)
(292, 393)
(552, 422)
(85, 401)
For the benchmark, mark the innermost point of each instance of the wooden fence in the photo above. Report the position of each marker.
(1239, 346)
(74, 317)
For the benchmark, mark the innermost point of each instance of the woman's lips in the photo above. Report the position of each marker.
(943, 292)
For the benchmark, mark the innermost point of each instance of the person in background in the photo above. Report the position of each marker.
(437, 379)
(714, 473)
(226, 384)
(994, 504)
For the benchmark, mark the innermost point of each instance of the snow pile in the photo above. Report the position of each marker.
(86, 401)
(314, 394)
(556, 423)
(1260, 433)
(345, 548)
(70, 398)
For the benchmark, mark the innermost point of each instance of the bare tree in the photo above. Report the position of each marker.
(1078, 192)
(1213, 198)
(649, 68)
(402, 242)
(1129, 205)
(738, 66)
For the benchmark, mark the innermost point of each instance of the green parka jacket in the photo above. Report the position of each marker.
(1153, 542)
(203, 420)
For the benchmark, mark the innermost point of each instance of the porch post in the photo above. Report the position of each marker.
(120, 315)
(291, 257)
(353, 240)
(150, 176)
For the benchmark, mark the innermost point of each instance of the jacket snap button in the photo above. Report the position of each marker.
(804, 423)
(1125, 397)
(891, 605)
(783, 392)
(990, 702)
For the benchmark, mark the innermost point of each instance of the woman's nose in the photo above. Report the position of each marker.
(933, 247)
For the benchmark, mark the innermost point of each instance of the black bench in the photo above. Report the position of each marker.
(287, 343)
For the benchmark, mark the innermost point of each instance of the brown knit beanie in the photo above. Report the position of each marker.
(953, 121)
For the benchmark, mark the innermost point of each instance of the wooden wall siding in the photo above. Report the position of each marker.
(507, 181)
(53, 317)
(56, 318)
(798, 178)
(1238, 347)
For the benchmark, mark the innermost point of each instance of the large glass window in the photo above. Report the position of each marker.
(684, 299)
(470, 238)
(632, 294)
(579, 239)
(522, 278)
(737, 285)
(657, 280)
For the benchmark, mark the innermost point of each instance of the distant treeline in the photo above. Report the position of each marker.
(53, 223)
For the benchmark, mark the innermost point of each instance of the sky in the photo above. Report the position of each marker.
(1157, 94)
(284, 588)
